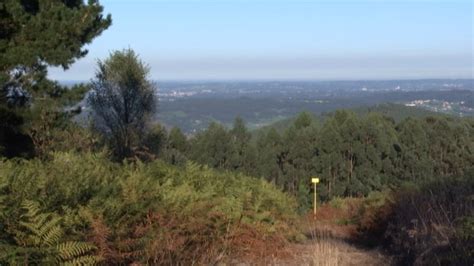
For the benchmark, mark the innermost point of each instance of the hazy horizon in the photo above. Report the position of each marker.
(222, 40)
(285, 80)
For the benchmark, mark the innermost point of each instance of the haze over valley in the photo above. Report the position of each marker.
(191, 106)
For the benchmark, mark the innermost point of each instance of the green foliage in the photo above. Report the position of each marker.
(353, 155)
(177, 140)
(41, 129)
(135, 212)
(397, 112)
(153, 212)
(13, 140)
(122, 99)
(369, 215)
(337, 203)
(176, 148)
(37, 34)
(212, 147)
(39, 239)
(69, 96)
(155, 139)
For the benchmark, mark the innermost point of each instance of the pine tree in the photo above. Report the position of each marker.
(36, 34)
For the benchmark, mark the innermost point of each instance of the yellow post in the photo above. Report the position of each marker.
(315, 180)
(315, 199)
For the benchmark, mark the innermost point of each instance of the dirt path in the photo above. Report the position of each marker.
(332, 252)
(330, 244)
(326, 244)
(326, 252)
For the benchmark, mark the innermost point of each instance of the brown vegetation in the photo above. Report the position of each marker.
(434, 224)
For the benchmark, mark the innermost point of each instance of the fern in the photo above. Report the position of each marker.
(43, 240)
(73, 250)
(132, 212)
(83, 260)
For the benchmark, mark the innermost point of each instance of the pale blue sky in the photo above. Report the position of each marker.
(288, 39)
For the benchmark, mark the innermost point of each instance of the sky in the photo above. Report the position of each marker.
(287, 39)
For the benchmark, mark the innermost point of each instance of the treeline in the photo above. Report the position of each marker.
(352, 154)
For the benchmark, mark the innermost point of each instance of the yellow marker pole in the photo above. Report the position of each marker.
(315, 180)
(315, 199)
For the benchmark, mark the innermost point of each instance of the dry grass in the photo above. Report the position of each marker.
(327, 251)
(333, 252)
(328, 244)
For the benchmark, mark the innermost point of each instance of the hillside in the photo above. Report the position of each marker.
(236, 133)
(397, 112)
(83, 209)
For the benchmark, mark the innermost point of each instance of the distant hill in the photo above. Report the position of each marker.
(396, 111)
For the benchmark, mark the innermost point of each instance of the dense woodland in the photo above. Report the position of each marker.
(124, 190)
(352, 154)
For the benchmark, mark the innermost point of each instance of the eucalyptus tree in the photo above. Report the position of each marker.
(123, 100)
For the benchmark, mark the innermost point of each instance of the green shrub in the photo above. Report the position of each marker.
(146, 213)
(337, 203)
(373, 216)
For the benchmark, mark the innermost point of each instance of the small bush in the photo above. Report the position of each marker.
(434, 224)
(373, 216)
